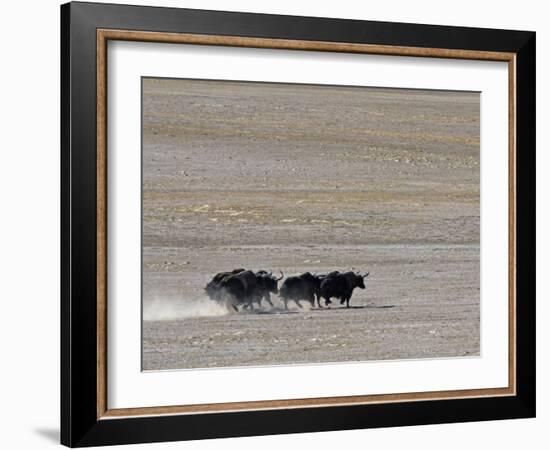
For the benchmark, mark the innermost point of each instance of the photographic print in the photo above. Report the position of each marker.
(301, 224)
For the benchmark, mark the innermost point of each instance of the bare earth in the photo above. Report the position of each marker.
(297, 178)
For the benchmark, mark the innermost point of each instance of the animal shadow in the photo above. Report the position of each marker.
(270, 311)
(335, 307)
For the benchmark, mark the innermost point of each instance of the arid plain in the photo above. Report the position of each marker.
(309, 178)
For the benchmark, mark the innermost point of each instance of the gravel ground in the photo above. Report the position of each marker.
(296, 178)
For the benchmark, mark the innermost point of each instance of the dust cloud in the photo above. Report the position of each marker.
(182, 308)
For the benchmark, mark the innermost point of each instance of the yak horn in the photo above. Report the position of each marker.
(366, 275)
(282, 275)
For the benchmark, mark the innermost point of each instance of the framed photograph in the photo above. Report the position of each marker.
(277, 224)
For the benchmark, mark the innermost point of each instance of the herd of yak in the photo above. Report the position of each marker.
(243, 288)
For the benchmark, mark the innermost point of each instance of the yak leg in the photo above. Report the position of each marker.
(319, 301)
(248, 303)
(327, 301)
(347, 301)
(268, 299)
(230, 305)
(286, 301)
(297, 302)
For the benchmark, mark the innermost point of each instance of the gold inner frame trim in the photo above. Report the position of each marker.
(103, 36)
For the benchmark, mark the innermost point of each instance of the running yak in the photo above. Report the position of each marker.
(242, 287)
(341, 286)
(306, 286)
(267, 285)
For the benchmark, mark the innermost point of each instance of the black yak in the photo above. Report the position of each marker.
(300, 287)
(267, 285)
(341, 286)
(238, 287)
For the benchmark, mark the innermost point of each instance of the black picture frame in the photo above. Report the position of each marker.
(80, 425)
